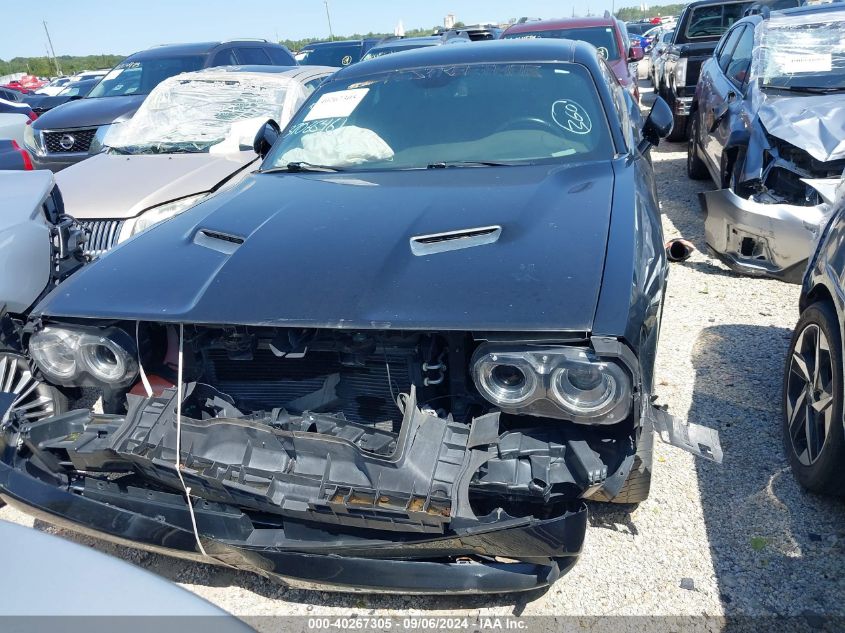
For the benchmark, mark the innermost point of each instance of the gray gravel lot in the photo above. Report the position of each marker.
(736, 538)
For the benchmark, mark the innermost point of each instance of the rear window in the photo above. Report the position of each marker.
(331, 55)
(713, 20)
(602, 37)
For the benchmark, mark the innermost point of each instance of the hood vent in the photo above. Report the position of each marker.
(221, 242)
(454, 240)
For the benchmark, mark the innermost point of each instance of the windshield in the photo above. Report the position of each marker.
(77, 88)
(602, 37)
(207, 111)
(802, 51)
(335, 55)
(139, 77)
(441, 115)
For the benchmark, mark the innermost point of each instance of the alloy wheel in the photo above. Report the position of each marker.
(810, 394)
(34, 399)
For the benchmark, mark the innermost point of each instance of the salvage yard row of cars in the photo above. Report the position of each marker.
(319, 356)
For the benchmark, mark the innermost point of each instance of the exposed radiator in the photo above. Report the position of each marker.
(364, 394)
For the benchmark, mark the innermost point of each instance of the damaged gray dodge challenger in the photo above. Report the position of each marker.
(399, 357)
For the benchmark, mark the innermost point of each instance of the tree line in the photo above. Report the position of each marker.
(635, 13)
(69, 64)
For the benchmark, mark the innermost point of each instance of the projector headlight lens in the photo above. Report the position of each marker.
(79, 356)
(563, 382)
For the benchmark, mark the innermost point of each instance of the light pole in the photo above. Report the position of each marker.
(329, 18)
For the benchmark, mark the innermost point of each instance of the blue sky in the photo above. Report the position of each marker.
(81, 27)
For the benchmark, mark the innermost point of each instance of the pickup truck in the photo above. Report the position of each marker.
(699, 30)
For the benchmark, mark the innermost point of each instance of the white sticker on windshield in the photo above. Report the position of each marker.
(791, 64)
(112, 74)
(336, 104)
(571, 116)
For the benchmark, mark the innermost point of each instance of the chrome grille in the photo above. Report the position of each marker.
(102, 235)
(80, 140)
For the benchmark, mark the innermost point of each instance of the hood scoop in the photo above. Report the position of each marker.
(215, 240)
(454, 240)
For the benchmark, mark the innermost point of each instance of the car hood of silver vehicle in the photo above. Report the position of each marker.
(815, 124)
(375, 249)
(136, 183)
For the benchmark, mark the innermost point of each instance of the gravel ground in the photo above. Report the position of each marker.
(737, 538)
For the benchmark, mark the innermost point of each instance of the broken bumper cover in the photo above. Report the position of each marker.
(762, 240)
(311, 508)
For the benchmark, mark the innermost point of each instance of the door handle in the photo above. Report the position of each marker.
(718, 113)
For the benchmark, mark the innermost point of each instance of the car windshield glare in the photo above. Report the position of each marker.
(602, 37)
(450, 115)
(207, 111)
(139, 77)
(801, 51)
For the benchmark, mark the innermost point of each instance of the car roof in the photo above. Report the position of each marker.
(288, 71)
(491, 51)
(562, 23)
(810, 9)
(192, 48)
(334, 43)
(402, 41)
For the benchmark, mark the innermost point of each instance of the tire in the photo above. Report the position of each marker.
(40, 400)
(638, 484)
(696, 169)
(812, 424)
(679, 130)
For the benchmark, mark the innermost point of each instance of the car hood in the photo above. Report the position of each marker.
(333, 250)
(816, 124)
(88, 112)
(146, 180)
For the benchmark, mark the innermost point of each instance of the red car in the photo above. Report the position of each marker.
(607, 34)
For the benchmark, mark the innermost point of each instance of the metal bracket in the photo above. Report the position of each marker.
(699, 440)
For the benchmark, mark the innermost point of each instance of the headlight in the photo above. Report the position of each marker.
(75, 357)
(30, 140)
(681, 72)
(97, 143)
(560, 382)
(157, 214)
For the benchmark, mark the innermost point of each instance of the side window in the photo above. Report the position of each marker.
(619, 101)
(741, 58)
(253, 56)
(312, 84)
(226, 57)
(279, 56)
(727, 50)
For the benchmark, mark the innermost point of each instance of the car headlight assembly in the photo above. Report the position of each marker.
(74, 357)
(569, 383)
(31, 140)
(153, 216)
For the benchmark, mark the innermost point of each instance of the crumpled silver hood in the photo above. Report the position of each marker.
(816, 124)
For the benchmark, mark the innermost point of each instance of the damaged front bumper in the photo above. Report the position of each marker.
(762, 240)
(313, 500)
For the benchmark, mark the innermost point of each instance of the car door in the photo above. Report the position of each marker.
(714, 93)
(729, 109)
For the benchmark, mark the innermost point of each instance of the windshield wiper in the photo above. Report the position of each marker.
(300, 166)
(469, 163)
(808, 89)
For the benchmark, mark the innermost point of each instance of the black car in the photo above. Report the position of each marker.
(336, 53)
(767, 128)
(813, 426)
(71, 92)
(73, 131)
(699, 29)
(396, 358)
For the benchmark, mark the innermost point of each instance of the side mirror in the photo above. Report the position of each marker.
(635, 54)
(657, 125)
(268, 133)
